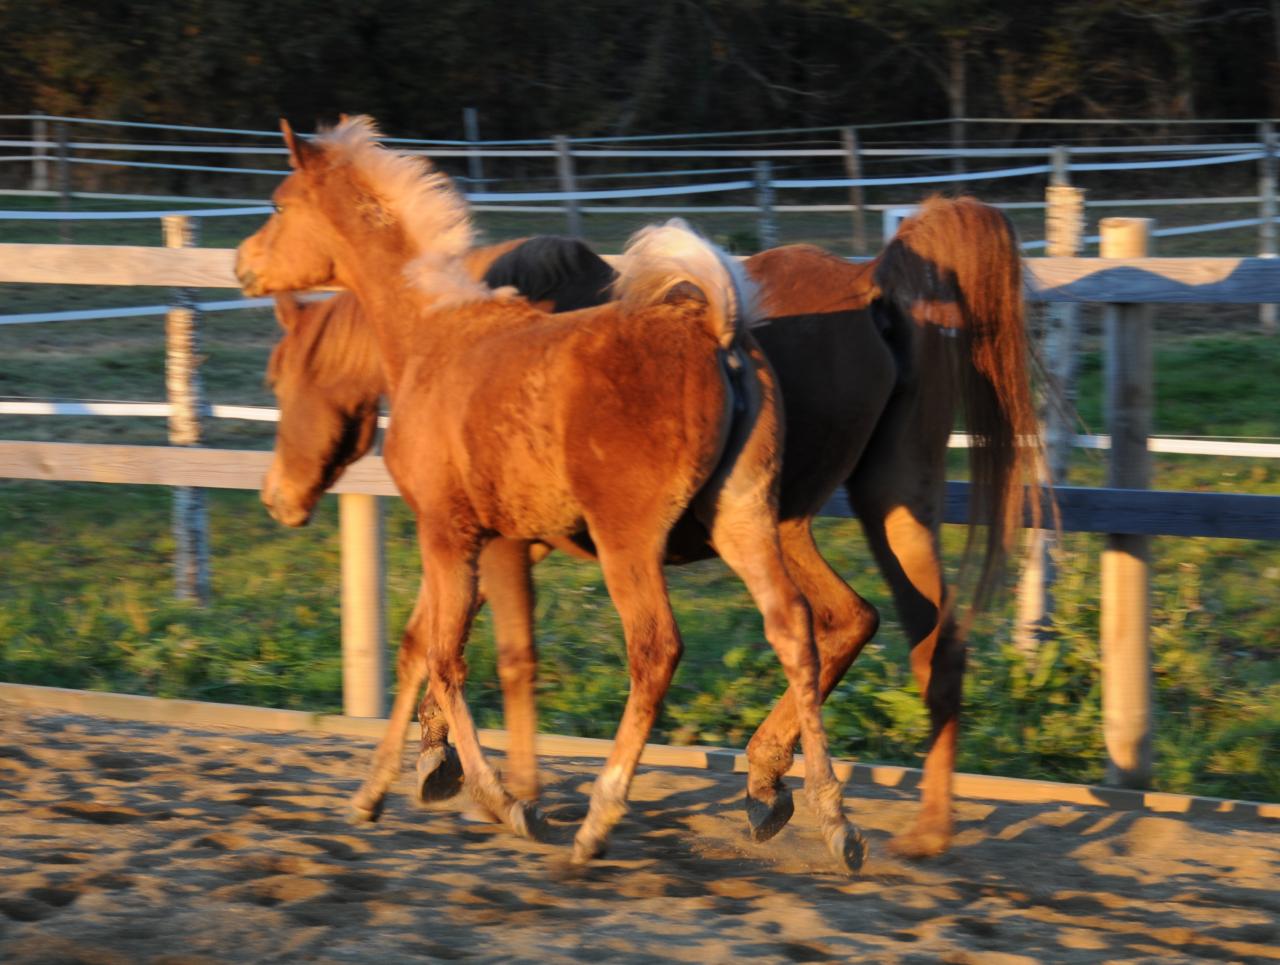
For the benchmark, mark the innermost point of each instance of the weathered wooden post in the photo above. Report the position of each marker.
(1267, 212)
(568, 185)
(853, 170)
(471, 129)
(64, 180)
(890, 218)
(766, 220)
(186, 402)
(364, 663)
(1064, 229)
(39, 152)
(1126, 648)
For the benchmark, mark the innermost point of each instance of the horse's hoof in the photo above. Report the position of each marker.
(439, 774)
(524, 818)
(366, 810)
(767, 818)
(849, 847)
(918, 843)
(587, 850)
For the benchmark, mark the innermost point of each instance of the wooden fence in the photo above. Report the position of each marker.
(1114, 511)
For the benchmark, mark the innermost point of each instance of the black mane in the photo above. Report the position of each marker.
(562, 270)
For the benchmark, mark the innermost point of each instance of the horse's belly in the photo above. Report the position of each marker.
(521, 508)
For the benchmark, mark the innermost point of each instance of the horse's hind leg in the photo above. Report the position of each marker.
(843, 622)
(411, 670)
(903, 533)
(746, 539)
(638, 589)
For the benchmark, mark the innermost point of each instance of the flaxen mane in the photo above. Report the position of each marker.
(421, 199)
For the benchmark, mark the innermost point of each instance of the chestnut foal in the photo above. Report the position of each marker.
(511, 422)
(871, 359)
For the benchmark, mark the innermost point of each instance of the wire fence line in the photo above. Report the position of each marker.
(584, 188)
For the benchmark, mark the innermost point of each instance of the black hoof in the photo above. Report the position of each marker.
(439, 774)
(849, 848)
(526, 820)
(767, 818)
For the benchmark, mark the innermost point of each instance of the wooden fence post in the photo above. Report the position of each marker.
(471, 129)
(364, 663)
(766, 220)
(182, 383)
(1064, 229)
(1267, 212)
(1125, 618)
(39, 152)
(853, 170)
(64, 180)
(568, 184)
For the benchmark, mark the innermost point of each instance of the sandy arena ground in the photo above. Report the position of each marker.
(131, 842)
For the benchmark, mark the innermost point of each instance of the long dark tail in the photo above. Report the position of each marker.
(955, 270)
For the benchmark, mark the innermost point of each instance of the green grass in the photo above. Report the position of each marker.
(86, 601)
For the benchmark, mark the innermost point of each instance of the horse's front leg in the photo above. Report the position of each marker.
(411, 670)
(439, 769)
(450, 576)
(506, 584)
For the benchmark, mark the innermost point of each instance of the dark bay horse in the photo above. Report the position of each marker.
(511, 422)
(873, 361)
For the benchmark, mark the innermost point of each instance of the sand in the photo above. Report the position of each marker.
(134, 842)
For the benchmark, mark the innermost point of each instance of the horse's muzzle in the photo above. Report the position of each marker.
(248, 278)
(282, 513)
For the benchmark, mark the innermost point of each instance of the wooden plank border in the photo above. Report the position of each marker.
(1166, 280)
(1083, 509)
(724, 760)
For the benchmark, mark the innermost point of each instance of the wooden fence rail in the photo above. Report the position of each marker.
(1083, 509)
(1240, 281)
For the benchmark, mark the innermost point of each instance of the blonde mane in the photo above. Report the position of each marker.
(423, 200)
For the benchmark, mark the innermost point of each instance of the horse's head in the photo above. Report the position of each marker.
(350, 208)
(295, 249)
(328, 383)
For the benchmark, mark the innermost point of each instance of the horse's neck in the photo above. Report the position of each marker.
(378, 270)
(390, 311)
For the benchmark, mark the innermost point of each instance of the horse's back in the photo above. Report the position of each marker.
(547, 420)
(808, 280)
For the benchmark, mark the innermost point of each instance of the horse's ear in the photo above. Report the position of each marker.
(300, 152)
(288, 310)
